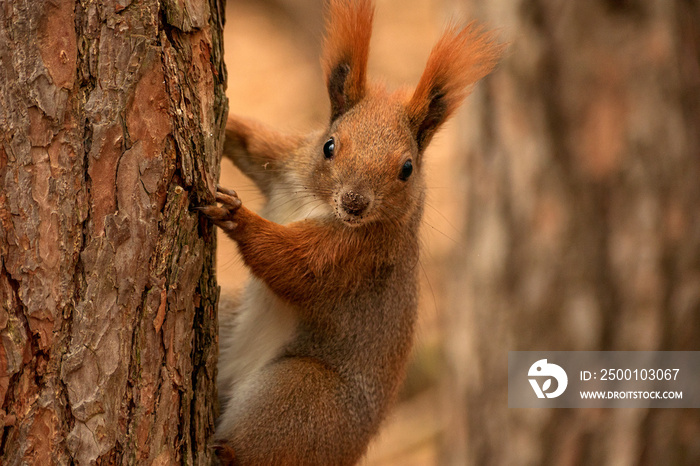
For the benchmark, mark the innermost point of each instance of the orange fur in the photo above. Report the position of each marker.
(346, 49)
(459, 59)
(267, 149)
(312, 258)
(320, 340)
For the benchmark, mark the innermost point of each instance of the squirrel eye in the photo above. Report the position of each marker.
(406, 170)
(328, 148)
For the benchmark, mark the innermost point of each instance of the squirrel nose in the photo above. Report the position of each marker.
(354, 203)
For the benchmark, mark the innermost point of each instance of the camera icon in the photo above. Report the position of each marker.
(541, 369)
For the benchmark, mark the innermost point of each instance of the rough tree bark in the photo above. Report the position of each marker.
(112, 117)
(582, 168)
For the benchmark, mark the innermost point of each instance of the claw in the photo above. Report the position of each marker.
(214, 212)
(222, 215)
(228, 192)
(228, 200)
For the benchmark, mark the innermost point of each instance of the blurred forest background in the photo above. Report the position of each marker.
(563, 211)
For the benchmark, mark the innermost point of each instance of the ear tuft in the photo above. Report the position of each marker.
(459, 59)
(346, 48)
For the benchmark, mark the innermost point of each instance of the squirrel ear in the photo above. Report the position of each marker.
(459, 59)
(346, 48)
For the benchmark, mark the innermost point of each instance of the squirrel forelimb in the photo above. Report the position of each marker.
(314, 353)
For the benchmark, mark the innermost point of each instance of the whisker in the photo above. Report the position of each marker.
(430, 286)
(443, 216)
(445, 235)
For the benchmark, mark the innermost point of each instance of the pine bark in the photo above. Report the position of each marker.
(581, 160)
(112, 116)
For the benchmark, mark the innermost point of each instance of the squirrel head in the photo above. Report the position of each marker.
(368, 164)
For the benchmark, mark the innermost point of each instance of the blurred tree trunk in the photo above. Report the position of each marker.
(582, 224)
(112, 117)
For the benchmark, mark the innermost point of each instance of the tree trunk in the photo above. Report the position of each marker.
(112, 117)
(582, 166)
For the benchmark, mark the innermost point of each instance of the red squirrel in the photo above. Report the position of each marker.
(314, 353)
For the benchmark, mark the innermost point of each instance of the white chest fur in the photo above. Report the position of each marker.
(254, 333)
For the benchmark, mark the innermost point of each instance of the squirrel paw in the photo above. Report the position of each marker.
(223, 215)
(225, 454)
